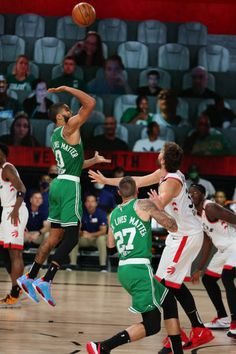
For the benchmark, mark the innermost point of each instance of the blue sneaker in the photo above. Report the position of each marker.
(25, 283)
(44, 290)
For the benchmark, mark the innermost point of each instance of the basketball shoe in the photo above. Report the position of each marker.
(232, 330)
(10, 302)
(199, 336)
(167, 346)
(95, 348)
(25, 283)
(218, 323)
(44, 289)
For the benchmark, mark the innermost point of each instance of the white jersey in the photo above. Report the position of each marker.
(7, 190)
(222, 234)
(182, 209)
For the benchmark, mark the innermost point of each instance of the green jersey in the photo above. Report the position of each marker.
(69, 158)
(132, 235)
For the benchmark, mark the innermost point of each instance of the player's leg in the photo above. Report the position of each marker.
(210, 281)
(228, 276)
(173, 268)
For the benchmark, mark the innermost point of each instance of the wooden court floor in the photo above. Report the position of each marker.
(90, 306)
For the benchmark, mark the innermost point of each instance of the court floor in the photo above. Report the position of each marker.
(90, 306)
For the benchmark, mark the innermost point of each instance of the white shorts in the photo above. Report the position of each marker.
(177, 258)
(222, 260)
(13, 236)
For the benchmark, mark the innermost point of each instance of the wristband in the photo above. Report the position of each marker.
(20, 194)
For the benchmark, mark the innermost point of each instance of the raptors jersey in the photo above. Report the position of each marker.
(7, 190)
(223, 234)
(182, 209)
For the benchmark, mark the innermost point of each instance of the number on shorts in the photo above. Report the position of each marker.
(59, 158)
(119, 237)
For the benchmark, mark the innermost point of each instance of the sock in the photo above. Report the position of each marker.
(115, 341)
(176, 344)
(214, 293)
(15, 291)
(53, 268)
(186, 300)
(34, 270)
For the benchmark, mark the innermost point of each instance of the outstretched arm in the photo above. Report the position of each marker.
(94, 160)
(215, 211)
(153, 211)
(143, 181)
(87, 105)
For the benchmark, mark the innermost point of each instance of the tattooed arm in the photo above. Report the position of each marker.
(146, 209)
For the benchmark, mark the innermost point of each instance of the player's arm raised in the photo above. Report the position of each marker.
(94, 160)
(215, 211)
(153, 211)
(87, 106)
(9, 173)
(142, 181)
(167, 193)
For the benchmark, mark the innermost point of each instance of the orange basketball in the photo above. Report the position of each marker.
(83, 14)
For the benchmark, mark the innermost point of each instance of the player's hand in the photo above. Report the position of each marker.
(97, 177)
(100, 159)
(14, 216)
(196, 277)
(154, 197)
(57, 89)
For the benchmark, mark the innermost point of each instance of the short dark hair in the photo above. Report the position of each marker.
(127, 187)
(153, 72)
(55, 109)
(140, 98)
(69, 57)
(150, 127)
(4, 148)
(36, 82)
(35, 192)
(116, 57)
(199, 187)
(173, 155)
(89, 195)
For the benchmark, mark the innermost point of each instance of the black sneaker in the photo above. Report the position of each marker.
(95, 348)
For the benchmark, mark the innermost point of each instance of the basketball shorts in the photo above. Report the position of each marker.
(177, 258)
(65, 202)
(146, 292)
(13, 236)
(222, 260)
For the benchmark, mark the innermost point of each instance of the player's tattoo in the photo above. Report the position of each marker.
(163, 218)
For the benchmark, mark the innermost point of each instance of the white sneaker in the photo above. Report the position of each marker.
(218, 323)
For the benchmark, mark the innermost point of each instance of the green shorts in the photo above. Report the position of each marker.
(65, 206)
(147, 293)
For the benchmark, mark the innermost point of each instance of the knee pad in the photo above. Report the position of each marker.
(228, 277)
(152, 322)
(69, 241)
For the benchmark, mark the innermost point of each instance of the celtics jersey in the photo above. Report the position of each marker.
(132, 235)
(69, 158)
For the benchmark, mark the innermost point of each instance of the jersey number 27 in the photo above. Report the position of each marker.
(123, 245)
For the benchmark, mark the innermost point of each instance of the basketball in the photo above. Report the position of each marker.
(83, 14)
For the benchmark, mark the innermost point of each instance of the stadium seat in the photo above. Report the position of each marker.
(202, 106)
(49, 50)
(121, 132)
(67, 29)
(30, 25)
(105, 50)
(75, 105)
(214, 58)
(53, 97)
(58, 71)
(121, 103)
(187, 81)
(134, 133)
(165, 78)
(2, 24)
(173, 56)
(112, 30)
(39, 127)
(229, 135)
(48, 133)
(152, 31)
(134, 54)
(5, 125)
(192, 33)
(100, 74)
(34, 69)
(10, 47)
